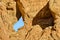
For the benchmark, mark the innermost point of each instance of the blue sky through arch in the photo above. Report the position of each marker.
(19, 24)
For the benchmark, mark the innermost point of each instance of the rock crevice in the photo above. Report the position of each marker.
(41, 19)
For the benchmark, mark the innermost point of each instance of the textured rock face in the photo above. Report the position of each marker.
(7, 18)
(41, 18)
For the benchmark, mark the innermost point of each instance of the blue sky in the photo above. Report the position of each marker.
(19, 24)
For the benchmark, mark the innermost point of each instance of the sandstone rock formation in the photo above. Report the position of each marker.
(41, 19)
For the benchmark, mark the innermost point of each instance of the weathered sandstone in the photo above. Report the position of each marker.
(41, 19)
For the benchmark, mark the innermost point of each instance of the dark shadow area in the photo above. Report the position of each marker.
(44, 18)
(9, 8)
(18, 13)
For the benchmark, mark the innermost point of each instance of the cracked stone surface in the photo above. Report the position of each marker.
(41, 19)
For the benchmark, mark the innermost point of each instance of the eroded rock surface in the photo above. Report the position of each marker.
(41, 19)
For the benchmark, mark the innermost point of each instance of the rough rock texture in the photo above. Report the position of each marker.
(41, 18)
